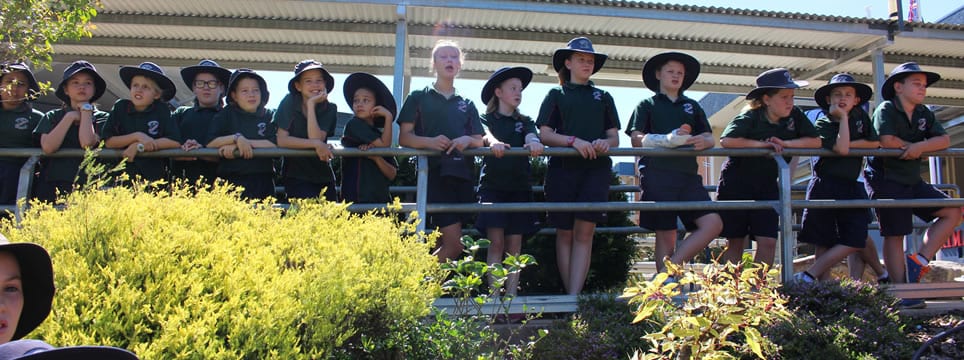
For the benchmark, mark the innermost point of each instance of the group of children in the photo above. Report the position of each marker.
(574, 114)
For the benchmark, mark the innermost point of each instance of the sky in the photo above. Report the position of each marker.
(626, 99)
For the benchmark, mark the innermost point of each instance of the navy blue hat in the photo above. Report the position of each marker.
(902, 71)
(501, 75)
(205, 66)
(690, 64)
(81, 66)
(864, 92)
(22, 67)
(383, 96)
(37, 277)
(239, 74)
(306, 65)
(153, 72)
(774, 79)
(39, 350)
(579, 44)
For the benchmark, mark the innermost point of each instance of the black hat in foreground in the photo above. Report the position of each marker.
(39, 350)
(37, 277)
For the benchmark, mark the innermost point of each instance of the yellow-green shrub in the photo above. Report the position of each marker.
(208, 276)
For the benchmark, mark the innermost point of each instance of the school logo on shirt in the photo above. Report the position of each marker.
(922, 124)
(791, 125)
(261, 127)
(152, 127)
(860, 126)
(21, 123)
(518, 127)
(597, 95)
(463, 106)
(688, 108)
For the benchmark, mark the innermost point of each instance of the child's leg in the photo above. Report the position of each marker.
(665, 247)
(450, 244)
(708, 227)
(827, 258)
(866, 256)
(894, 258)
(583, 232)
(855, 264)
(734, 250)
(938, 233)
(496, 247)
(563, 253)
(513, 247)
(766, 248)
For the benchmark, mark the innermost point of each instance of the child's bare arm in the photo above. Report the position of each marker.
(407, 138)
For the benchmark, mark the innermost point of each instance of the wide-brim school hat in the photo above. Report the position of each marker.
(153, 72)
(306, 65)
(779, 78)
(383, 96)
(690, 64)
(579, 44)
(902, 71)
(500, 76)
(37, 277)
(240, 74)
(21, 67)
(205, 66)
(39, 350)
(100, 86)
(864, 92)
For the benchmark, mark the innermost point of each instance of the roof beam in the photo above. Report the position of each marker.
(250, 23)
(847, 58)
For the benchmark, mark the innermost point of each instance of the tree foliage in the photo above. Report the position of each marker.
(29, 28)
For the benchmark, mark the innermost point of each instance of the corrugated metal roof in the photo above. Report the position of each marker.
(734, 45)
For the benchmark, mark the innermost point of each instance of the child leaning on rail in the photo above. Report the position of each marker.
(770, 122)
(17, 121)
(837, 233)
(243, 126)
(75, 125)
(143, 123)
(305, 119)
(669, 119)
(579, 115)
(208, 81)
(366, 179)
(439, 118)
(506, 179)
(903, 122)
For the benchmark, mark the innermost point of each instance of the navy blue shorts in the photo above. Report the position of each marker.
(256, 186)
(667, 185)
(448, 189)
(576, 185)
(896, 222)
(48, 190)
(740, 223)
(514, 223)
(9, 180)
(829, 227)
(301, 189)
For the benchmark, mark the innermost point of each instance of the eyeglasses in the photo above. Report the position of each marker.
(210, 84)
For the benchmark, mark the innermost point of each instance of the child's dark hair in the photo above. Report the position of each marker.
(757, 102)
(493, 106)
(564, 75)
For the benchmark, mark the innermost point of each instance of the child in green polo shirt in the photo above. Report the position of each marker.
(771, 122)
(669, 119)
(366, 179)
(506, 179)
(17, 121)
(208, 80)
(438, 118)
(837, 233)
(903, 122)
(305, 118)
(76, 125)
(245, 124)
(577, 114)
(143, 122)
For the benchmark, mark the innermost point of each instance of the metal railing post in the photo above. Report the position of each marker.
(24, 185)
(421, 192)
(787, 238)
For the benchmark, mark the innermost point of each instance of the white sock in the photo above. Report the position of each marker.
(922, 259)
(884, 275)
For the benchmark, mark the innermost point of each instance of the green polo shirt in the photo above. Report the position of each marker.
(290, 117)
(660, 115)
(583, 111)
(510, 173)
(434, 115)
(754, 125)
(843, 167)
(155, 121)
(16, 130)
(65, 169)
(194, 121)
(362, 182)
(253, 126)
(890, 119)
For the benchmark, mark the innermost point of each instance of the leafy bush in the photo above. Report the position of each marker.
(602, 328)
(841, 320)
(208, 276)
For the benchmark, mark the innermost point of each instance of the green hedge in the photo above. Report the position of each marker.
(208, 276)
